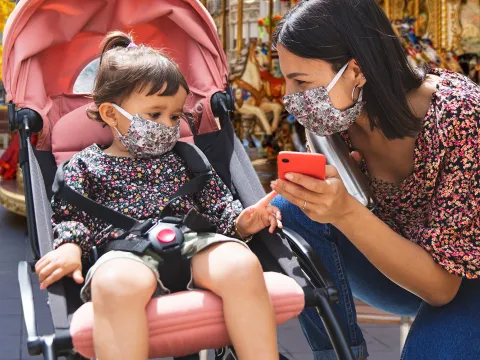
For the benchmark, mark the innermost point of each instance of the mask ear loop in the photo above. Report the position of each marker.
(123, 112)
(335, 79)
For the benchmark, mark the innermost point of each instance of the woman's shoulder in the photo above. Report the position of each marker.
(455, 90)
(456, 105)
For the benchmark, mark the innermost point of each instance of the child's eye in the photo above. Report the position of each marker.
(176, 117)
(154, 115)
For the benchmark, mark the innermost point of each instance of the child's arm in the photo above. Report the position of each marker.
(217, 204)
(74, 233)
(71, 225)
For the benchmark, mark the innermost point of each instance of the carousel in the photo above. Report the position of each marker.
(441, 33)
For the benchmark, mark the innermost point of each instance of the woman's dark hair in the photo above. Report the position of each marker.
(340, 30)
(125, 68)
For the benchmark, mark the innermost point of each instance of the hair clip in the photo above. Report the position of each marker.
(131, 45)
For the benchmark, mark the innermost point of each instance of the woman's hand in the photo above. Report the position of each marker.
(259, 216)
(66, 260)
(324, 201)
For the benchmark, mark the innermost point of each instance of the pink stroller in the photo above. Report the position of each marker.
(47, 44)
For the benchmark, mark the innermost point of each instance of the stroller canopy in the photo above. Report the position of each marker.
(47, 44)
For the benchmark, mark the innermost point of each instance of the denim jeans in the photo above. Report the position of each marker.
(450, 332)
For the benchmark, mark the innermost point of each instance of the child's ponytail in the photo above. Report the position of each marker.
(115, 39)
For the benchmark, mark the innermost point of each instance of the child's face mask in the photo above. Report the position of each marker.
(147, 139)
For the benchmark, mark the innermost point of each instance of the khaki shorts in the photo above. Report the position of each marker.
(193, 244)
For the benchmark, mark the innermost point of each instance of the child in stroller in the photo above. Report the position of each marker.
(135, 176)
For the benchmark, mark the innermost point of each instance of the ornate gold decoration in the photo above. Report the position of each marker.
(224, 24)
(11, 198)
(240, 27)
(270, 33)
(434, 22)
(453, 29)
(397, 9)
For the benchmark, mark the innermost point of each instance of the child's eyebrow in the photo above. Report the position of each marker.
(162, 107)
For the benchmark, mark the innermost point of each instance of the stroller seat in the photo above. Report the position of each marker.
(186, 322)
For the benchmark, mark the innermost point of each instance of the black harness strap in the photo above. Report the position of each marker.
(86, 204)
(136, 246)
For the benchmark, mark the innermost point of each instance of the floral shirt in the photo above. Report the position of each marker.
(438, 205)
(137, 188)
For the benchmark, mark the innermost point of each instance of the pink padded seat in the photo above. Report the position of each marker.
(188, 322)
(75, 131)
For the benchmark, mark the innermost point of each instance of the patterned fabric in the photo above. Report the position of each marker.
(139, 188)
(147, 139)
(437, 206)
(314, 110)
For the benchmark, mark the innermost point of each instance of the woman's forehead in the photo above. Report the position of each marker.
(292, 64)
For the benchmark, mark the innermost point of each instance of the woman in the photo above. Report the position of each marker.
(415, 134)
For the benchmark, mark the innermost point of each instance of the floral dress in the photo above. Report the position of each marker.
(438, 205)
(138, 188)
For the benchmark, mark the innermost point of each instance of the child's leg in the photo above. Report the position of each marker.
(234, 273)
(121, 288)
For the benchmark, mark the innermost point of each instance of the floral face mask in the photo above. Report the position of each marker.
(314, 110)
(147, 139)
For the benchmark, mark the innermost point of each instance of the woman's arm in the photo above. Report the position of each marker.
(402, 261)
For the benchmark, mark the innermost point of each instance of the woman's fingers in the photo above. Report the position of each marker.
(291, 197)
(53, 277)
(307, 182)
(356, 156)
(299, 191)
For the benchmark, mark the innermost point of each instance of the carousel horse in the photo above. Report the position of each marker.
(274, 86)
(246, 75)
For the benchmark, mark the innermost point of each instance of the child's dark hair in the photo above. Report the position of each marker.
(125, 68)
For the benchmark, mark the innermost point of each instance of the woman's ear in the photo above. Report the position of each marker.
(108, 114)
(360, 79)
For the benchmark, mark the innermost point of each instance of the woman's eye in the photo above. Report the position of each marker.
(299, 82)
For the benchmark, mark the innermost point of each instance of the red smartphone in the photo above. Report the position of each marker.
(302, 163)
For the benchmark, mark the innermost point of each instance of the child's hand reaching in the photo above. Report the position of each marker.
(259, 216)
(66, 260)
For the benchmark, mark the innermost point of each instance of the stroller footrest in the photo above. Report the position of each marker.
(188, 322)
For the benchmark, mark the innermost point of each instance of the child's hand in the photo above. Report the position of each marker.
(66, 260)
(259, 216)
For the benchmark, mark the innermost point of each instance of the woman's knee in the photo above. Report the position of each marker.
(122, 280)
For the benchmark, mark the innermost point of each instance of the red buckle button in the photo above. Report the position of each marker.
(166, 236)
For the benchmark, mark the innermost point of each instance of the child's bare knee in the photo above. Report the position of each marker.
(123, 280)
(241, 269)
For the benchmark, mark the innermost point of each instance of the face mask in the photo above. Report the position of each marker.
(146, 139)
(314, 110)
